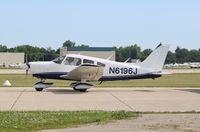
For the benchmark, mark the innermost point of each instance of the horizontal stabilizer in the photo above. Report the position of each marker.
(162, 73)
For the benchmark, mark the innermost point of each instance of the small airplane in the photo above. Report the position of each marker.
(194, 65)
(84, 69)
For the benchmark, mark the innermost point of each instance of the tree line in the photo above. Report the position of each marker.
(180, 55)
(34, 53)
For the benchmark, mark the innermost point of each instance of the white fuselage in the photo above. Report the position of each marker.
(111, 70)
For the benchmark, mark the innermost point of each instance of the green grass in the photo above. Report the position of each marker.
(172, 80)
(6, 68)
(176, 68)
(21, 80)
(19, 121)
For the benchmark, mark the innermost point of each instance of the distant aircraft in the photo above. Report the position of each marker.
(84, 69)
(194, 65)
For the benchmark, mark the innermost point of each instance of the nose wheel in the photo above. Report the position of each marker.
(39, 89)
(39, 86)
(80, 90)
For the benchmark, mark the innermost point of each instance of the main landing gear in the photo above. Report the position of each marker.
(81, 87)
(39, 86)
(77, 86)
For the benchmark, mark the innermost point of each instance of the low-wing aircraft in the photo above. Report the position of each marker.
(84, 69)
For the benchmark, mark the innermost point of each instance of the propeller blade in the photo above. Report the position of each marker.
(26, 72)
(27, 64)
(28, 67)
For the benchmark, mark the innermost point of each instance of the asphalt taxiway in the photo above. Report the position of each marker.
(129, 99)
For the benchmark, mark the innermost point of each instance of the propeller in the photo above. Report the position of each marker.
(27, 64)
(27, 68)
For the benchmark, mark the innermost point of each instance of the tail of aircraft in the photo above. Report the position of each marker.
(156, 59)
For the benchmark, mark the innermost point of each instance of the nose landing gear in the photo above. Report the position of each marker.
(39, 86)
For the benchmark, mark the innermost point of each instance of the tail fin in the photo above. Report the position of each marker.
(156, 59)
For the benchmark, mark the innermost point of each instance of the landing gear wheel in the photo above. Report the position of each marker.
(38, 89)
(82, 90)
(73, 84)
(75, 89)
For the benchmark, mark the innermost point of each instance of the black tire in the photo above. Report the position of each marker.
(38, 89)
(82, 90)
(75, 89)
(73, 84)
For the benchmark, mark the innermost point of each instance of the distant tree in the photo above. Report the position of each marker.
(32, 53)
(145, 53)
(120, 54)
(182, 55)
(58, 51)
(171, 58)
(50, 54)
(69, 43)
(3, 48)
(35, 53)
(134, 51)
(195, 56)
(123, 53)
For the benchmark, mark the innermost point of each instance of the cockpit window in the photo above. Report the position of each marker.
(72, 61)
(59, 59)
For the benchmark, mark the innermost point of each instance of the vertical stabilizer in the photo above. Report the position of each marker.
(156, 59)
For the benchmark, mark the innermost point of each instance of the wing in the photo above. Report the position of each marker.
(85, 72)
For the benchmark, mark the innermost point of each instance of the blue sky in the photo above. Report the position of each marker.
(48, 23)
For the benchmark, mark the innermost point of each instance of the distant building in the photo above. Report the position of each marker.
(7, 58)
(100, 52)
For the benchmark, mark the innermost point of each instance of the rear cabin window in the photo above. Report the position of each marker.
(100, 64)
(72, 61)
(86, 61)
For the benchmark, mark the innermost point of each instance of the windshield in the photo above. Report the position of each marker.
(59, 59)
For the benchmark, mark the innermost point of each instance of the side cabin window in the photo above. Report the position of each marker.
(88, 61)
(100, 64)
(72, 61)
(59, 60)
